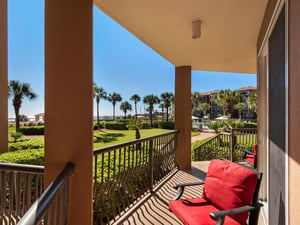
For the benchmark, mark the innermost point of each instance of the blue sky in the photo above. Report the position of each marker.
(122, 63)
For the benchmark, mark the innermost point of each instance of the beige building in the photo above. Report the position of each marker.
(257, 36)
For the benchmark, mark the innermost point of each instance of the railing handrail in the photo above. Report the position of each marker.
(23, 168)
(136, 141)
(126, 172)
(244, 129)
(40, 206)
(233, 140)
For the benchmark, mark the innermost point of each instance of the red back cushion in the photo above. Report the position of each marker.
(255, 149)
(229, 185)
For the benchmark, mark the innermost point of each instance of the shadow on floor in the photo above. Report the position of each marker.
(153, 208)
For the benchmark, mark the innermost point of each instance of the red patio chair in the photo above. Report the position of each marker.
(230, 197)
(250, 157)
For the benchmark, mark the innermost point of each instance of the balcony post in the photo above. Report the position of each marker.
(69, 100)
(3, 77)
(151, 164)
(183, 115)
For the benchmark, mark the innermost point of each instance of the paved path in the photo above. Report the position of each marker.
(202, 136)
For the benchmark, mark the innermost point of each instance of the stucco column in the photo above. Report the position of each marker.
(69, 100)
(183, 113)
(3, 77)
(294, 111)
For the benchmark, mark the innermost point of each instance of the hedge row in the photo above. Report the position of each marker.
(39, 130)
(166, 125)
(97, 127)
(31, 157)
(250, 125)
(34, 130)
(115, 126)
(25, 144)
(145, 125)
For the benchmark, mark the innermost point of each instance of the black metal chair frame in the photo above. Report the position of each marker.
(247, 152)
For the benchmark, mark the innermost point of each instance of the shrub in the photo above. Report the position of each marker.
(146, 125)
(155, 124)
(115, 126)
(16, 136)
(216, 126)
(250, 125)
(196, 144)
(230, 123)
(96, 127)
(25, 144)
(166, 125)
(31, 157)
(32, 130)
(216, 150)
(40, 123)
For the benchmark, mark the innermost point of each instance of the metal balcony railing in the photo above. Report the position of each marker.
(124, 173)
(227, 145)
(52, 206)
(20, 186)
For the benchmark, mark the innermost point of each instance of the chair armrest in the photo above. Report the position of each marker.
(219, 216)
(176, 186)
(248, 152)
(180, 188)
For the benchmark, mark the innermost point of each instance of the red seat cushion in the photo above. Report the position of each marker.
(229, 185)
(196, 212)
(250, 158)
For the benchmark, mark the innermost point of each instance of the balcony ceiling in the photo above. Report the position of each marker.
(228, 35)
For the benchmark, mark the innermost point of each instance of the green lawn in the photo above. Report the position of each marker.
(11, 129)
(195, 133)
(112, 137)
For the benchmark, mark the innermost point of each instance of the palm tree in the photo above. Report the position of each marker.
(114, 98)
(162, 107)
(239, 106)
(151, 100)
(98, 94)
(233, 98)
(204, 107)
(18, 91)
(220, 100)
(125, 106)
(196, 100)
(136, 124)
(136, 98)
(168, 99)
(252, 101)
(226, 99)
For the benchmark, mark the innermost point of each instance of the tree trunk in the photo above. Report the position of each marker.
(167, 114)
(17, 109)
(138, 136)
(98, 119)
(150, 118)
(113, 111)
(224, 111)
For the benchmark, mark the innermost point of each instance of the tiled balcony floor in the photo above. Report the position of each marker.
(153, 210)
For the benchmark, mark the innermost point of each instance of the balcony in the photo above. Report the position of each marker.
(132, 182)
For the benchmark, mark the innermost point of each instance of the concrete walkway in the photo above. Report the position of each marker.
(202, 135)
